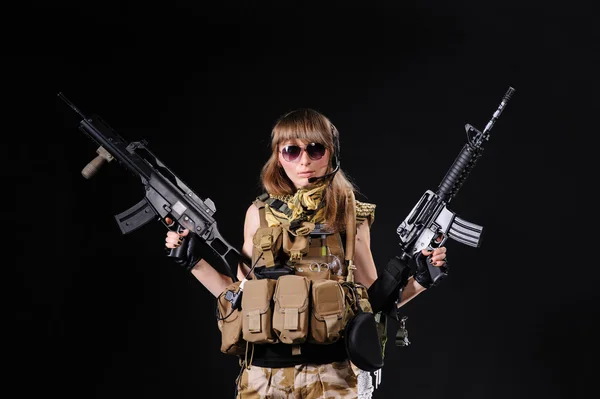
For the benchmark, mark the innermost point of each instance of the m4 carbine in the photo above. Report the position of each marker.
(430, 223)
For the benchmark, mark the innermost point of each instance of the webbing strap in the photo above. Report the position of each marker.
(279, 205)
(290, 319)
(350, 235)
(330, 323)
(260, 204)
(274, 203)
(350, 225)
(254, 320)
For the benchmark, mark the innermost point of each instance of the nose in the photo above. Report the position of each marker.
(304, 158)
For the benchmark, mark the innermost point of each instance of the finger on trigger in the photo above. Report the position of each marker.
(169, 221)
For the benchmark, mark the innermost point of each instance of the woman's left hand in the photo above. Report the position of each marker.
(438, 256)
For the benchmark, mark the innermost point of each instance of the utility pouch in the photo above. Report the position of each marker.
(230, 322)
(328, 311)
(267, 242)
(296, 243)
(257, 311)
(290, 316)
(356, 300)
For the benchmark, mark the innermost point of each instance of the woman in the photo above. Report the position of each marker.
(303, 173)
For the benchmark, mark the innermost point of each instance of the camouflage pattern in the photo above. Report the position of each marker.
(336, 380)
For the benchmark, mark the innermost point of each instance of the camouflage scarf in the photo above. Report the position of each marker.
(302, 205)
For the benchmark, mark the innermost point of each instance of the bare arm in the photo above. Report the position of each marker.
(214, 281)
(411, 290)
(366, 271)
(217, 282)
(207, 275)
(251, 224)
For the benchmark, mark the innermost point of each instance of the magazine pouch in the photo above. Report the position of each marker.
(290, 315)
(328, 310)
(257, 311)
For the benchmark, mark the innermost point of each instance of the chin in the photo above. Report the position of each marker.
(302, 183)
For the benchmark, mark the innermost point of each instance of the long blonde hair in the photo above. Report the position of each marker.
(310, 126)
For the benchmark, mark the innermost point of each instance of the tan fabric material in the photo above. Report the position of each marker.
(291, 313)
(232, 342)
(338, 380)
(257, 311)
(266, 245)
(328, 311)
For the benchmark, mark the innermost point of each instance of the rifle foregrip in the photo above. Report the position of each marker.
(93, 167)
(457, 173)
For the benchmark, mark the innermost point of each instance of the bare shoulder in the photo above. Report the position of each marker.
(363, 232)
(252, 221)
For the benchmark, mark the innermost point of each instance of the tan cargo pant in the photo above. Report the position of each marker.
(336, 380)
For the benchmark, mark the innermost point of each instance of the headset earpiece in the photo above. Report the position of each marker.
(335, 159)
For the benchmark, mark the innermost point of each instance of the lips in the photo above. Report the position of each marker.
(305, 174)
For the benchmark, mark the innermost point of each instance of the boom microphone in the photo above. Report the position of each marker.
(333, 172)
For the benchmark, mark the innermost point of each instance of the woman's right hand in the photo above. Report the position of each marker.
(190, 253)
(174, 239)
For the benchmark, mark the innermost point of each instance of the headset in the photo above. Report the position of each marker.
(335, 158)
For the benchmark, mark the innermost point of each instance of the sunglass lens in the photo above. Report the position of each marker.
(290, 152)
(315, 150)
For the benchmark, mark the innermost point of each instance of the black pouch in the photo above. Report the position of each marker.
(273, 273)
(362, 342)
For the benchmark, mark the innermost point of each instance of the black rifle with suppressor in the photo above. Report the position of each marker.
(166, 196)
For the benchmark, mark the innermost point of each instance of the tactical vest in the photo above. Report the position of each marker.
(303, 290)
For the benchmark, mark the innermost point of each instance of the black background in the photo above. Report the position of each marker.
(99, 314)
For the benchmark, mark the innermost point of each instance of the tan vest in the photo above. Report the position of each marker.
(311, 304)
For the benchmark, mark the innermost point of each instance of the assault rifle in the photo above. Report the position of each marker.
(430, 223)
(166, 196)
